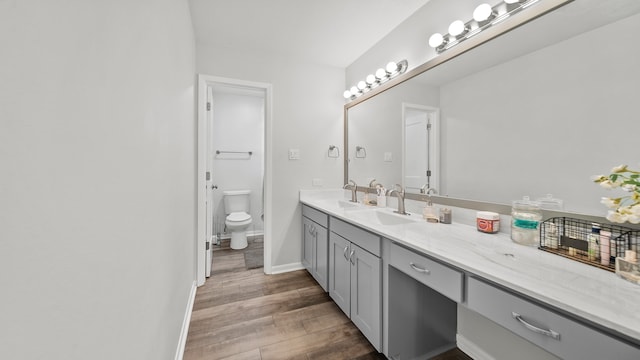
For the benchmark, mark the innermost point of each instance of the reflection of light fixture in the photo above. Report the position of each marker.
(457, 28)
(391, 70)
(371, 79)
(484, 16)
(436, 40)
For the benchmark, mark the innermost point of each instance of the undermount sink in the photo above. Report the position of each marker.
(383, 217)
(341, 204)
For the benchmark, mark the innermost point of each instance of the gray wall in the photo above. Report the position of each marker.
(97, 195)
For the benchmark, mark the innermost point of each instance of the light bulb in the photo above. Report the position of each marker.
(482, 12)
(456, 28)
(347, 94)
(381, 74)
(436, 40)
(511, 1)
(354, 91)
(371, 79)
(392, 67)
(362, 85)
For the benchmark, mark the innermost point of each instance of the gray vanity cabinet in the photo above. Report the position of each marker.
(315, 245)
(355, 277)
(554, 332)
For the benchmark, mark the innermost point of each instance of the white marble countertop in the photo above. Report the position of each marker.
(586, 291)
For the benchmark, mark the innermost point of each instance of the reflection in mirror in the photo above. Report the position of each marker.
(420, 148)
(535, 111)
(377, 126)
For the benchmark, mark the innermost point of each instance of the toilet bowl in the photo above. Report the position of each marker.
(237, 223)
(236, 204)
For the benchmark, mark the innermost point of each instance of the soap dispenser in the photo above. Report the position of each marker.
(429, 212)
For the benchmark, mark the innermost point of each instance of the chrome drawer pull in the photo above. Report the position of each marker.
(344, 253)
(351, 257)
(419, 269)
(550, 333)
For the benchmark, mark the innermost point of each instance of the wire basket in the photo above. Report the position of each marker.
(579, 240)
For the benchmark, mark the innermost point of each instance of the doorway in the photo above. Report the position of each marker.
(420, 160)
(234, 132)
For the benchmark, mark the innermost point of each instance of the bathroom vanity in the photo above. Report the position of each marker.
(409, 277)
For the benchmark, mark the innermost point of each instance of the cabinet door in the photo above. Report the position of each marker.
(320, 256)
(307, 244)
(339, 272)
(366, 294)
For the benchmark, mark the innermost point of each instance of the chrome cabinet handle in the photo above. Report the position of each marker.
(550, 333)
(351, 256)
(344, 253)
(419, 269)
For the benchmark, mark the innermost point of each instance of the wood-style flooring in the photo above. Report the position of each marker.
(242, 314)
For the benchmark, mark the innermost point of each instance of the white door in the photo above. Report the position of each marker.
(420, 153)
(209, 188)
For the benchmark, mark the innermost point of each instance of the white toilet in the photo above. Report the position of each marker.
(236, 206)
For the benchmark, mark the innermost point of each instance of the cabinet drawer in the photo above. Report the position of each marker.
(556, 333)
(439, 277)
(362, 238)
(317, 216)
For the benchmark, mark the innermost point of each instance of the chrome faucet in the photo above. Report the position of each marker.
(425, 189)
(351, 185)
(400, 195)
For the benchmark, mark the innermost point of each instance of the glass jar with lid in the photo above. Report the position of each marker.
(525, 221)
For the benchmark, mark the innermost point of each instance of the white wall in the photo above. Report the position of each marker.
(307, 115)
(238, 125)
(97, 194)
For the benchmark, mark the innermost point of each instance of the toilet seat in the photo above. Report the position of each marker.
(238, 217)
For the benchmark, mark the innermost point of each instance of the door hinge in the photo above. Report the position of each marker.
(207, 245)
(208, 106)
(428, 172)
(428, 126)
(208, 175)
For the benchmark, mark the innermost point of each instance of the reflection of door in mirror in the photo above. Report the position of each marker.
(420, 154)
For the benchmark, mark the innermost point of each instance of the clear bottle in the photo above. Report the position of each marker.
(525, 220)
(594, 242)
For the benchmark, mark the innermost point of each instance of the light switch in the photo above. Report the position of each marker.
(388, 157)
(294, 154)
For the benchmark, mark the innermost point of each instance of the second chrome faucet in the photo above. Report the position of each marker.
(351, 185)
(399, 192)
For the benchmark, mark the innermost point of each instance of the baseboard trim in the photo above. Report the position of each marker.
(472, 349)
(279, 269)
(182, 341)
(224, 236)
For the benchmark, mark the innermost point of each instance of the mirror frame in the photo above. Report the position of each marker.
(541, 8)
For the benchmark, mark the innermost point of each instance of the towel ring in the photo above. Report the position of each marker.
(331, 148)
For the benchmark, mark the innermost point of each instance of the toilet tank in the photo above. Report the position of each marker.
(236, 201)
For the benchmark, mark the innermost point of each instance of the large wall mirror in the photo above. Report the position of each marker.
(535, 111)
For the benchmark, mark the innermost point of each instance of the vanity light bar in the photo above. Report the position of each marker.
(484, 16)
(374, 80)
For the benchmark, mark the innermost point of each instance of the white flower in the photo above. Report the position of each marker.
(608, 184)
(616, 217)
(619, 169)
(635, 209)
(634, 219)
(629, 187)
(610, 203)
